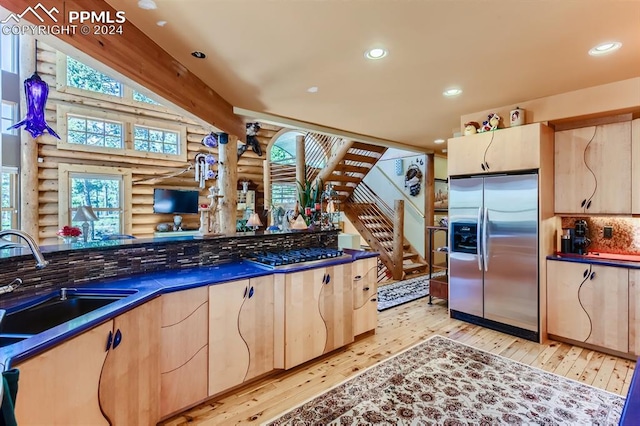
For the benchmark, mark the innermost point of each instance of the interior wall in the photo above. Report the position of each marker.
(146, 173)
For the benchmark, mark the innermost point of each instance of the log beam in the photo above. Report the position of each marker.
(139, 58)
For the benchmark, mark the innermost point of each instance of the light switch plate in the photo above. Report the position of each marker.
(608, 232)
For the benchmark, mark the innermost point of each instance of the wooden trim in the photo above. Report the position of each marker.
(63, 191)
(128, 123)
(136, 56)
(561, 125)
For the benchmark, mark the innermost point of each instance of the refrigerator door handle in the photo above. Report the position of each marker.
(485, 226)
(478, 236)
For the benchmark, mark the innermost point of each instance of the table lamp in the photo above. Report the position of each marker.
(254, 221)
(84, 214)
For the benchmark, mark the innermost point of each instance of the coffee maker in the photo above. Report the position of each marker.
(580, 237)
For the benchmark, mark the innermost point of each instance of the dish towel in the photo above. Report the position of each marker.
(10, 386)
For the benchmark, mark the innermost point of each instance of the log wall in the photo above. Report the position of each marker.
(146, 173)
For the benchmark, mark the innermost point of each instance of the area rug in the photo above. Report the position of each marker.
(441, 381)
(404, 291)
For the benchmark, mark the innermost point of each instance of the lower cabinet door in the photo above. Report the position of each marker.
(256, 325)
(130, 381)
(305, 334)
(228, 352)
(60, 386)
(184, 355)
(336, 306)
(365, 301)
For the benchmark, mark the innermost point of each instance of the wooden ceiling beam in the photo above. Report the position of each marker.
(136, 56)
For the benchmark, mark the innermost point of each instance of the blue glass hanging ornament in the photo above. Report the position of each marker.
(211, 140)
(36, 90)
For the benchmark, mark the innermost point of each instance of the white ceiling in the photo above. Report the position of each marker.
(263, 56)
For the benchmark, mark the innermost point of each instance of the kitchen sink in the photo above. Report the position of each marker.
(54, 309)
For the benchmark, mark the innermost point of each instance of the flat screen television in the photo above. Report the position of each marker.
(175, 201)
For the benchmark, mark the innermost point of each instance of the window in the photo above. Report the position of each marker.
(155, 140)
(9, 196)
(137, 96)
(106, 189)
(284, 194)
(9, 117)
(94, 132)
(84, 77)
(9, 50)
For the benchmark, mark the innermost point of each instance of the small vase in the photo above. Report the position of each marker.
(69, 240)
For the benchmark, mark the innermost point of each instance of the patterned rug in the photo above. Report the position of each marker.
(395, 294)
(440, 381)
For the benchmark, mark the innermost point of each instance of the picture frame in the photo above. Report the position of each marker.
(441, 195)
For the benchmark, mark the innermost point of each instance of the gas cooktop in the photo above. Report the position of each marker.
(289, 258)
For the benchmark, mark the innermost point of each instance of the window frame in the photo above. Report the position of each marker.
(65, 171)
(127, 91)
(14, 118)
(14, 188)
(128, 121)
(15, 54)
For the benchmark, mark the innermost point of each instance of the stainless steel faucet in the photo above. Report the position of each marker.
(35, 250)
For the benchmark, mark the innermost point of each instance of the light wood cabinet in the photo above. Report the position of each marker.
(588, 303)
(635, 166)
(336, 306)
(130, 381)
(593, 169)
(634, 311)
(96, 378)
(365, 290)
(502, 150)
(60, 386)
(184, 335)
(318, 312)
(241, 331)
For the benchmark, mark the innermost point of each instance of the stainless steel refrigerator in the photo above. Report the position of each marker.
(493, 267)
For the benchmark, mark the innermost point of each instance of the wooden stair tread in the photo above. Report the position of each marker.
(409, 255)
(368, 147)
(360, 158)
(343, 178)
(414, 267)
(352, 169)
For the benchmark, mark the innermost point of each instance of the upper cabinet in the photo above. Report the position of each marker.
(635, 166)
(503, 150)
(593, 169)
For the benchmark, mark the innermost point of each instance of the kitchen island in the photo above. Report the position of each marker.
(186, 334)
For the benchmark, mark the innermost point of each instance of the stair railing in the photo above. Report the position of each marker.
(318, 149)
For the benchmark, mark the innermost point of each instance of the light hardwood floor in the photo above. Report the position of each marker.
(399, 328)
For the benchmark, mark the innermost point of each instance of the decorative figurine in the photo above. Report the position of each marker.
(471, 128)
(491, 123)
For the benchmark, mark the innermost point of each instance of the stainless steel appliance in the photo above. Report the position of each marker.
(493, 268)
(286, 259)
(581, 240)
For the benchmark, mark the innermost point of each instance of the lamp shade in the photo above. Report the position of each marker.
(254, 220)
(299, 223)
(84, 214)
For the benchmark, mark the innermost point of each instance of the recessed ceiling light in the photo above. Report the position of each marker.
(312, 89)
(147, 4)
(161, 23)
(375, 53)
(438, 141)
(198, 54)
(452, 92)
(604, 48)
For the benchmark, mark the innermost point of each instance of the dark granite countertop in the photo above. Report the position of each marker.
(144, 287)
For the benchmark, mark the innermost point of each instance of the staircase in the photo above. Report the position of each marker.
(373, 220)
(345, 169)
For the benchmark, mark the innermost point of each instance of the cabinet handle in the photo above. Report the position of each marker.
(583, 202)
(593, 275)
(117, 339)
(585, 273)
(245, 292)
(328, 278)
(357, 278)
(366, 289)
(251, 292)
(588, 204)
(324, 278)
(374, 300)
(109, 340)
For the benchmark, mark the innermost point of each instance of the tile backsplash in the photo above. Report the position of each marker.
(625, 238)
